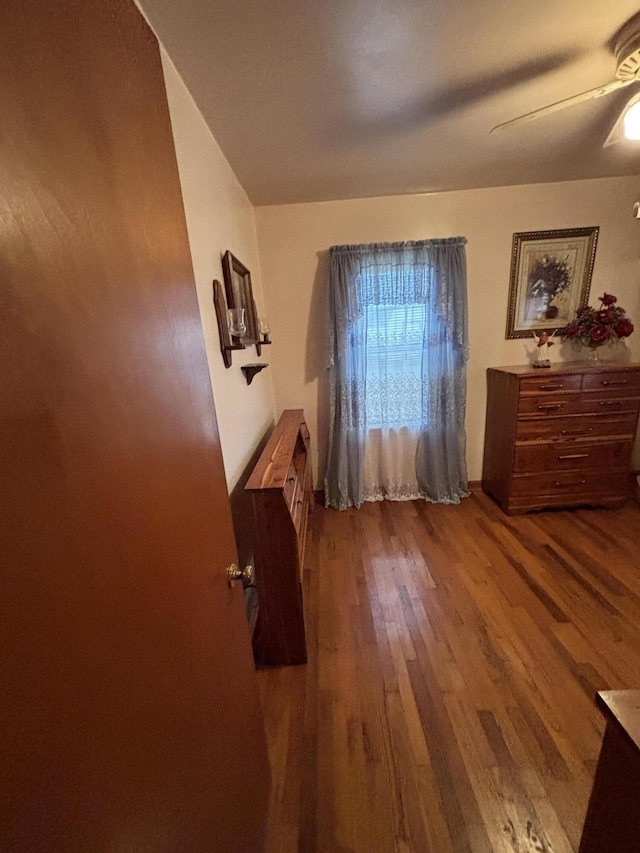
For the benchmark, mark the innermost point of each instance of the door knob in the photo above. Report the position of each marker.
(246, 575)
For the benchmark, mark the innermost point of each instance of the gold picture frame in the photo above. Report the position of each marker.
(550, 279)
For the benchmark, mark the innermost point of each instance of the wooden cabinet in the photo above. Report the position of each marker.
(561, 436)
(281, 492)
(613, 819)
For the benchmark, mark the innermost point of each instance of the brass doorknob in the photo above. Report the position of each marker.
(246, 575)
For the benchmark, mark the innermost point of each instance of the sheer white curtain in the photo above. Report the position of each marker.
(392, 336)
(398, 386)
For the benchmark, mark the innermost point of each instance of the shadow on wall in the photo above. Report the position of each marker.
(316, 359)
(242, 523)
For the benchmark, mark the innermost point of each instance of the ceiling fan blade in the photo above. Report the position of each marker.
(561, 105)
(616, 134)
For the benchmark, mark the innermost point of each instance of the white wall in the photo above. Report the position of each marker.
(220, 217)
(294, 242)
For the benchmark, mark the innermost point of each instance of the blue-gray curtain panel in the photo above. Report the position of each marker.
(398, 348)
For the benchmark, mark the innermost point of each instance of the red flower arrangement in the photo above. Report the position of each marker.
(594, 327)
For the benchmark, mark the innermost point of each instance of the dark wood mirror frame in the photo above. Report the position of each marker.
(239, 293)
(226, 344)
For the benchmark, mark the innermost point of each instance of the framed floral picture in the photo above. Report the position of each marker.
(550, 279)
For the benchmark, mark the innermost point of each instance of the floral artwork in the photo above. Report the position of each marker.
(547, 282)
(550, 279)
(594, 327)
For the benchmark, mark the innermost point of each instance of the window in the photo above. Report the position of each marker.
(393, 382)
(394, 337)
(397, 355)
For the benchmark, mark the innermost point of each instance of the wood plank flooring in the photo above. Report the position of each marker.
(454, 654)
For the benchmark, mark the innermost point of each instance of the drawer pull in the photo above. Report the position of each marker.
(552, 387)
(574, 456)
(578, 483)
(610, 403)
(543, 407)
(576, 431)
(614, 382)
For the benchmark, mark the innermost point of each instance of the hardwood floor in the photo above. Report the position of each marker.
(454, 654)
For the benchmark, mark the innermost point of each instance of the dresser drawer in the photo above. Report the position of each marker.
(554, 457)
(600, 401)
(525, 503)
(542, 405)
(623, 381)
(570, 483)
(576, 428)
(290, 488)
(550, 384)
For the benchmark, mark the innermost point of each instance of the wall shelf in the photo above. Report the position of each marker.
(227, 345)
(250, 370)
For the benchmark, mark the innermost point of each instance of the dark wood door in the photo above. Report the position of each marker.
(129, 711)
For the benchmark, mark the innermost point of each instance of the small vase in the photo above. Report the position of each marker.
(593, 357)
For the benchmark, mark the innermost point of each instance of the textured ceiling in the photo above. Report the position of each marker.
(325, 99)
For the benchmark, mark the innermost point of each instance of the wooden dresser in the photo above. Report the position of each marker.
(560, 436)
(281, 491)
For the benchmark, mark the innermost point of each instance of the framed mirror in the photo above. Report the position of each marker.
(239, 293)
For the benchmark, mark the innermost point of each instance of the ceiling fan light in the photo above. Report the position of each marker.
(632, 122)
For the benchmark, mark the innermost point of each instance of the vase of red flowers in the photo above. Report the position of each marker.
(596, 327)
